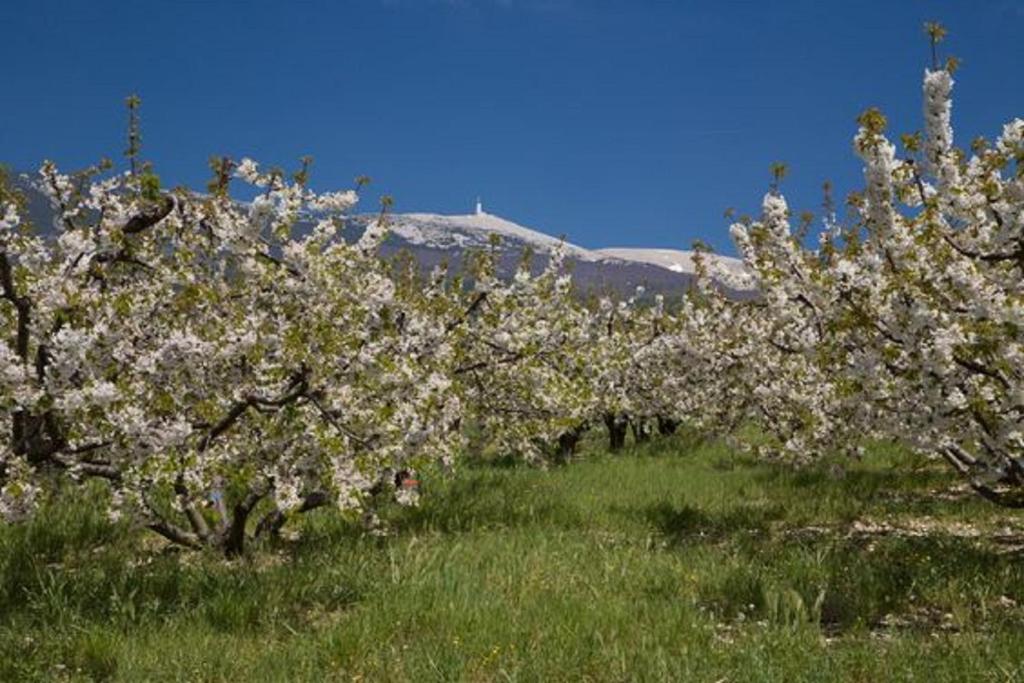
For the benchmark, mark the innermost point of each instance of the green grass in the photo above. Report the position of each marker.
(677, 561)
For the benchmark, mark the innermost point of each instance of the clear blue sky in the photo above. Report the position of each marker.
(616, 123)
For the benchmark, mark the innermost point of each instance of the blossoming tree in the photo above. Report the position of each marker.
(908, 323)
(203, 356)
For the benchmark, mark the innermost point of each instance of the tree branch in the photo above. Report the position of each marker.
(295, 390)
(175, 534)
(272, 522)
(149, 217)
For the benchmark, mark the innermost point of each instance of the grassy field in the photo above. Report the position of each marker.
(677, 561)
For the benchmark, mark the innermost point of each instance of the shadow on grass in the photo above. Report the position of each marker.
(687, 524)
(882, 490)
(849, 480)
(834, 580)
(837, 577)
(485, 500)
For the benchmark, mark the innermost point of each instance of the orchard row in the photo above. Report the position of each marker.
(223, 370)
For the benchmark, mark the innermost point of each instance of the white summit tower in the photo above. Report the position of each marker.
(479, 207)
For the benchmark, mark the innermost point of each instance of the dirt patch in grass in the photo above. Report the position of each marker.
(1007, 535)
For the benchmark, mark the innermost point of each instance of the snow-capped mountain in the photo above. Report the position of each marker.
(474, 230)
(436, 237)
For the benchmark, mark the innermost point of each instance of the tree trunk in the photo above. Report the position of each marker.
(233, 539)
(617, 425)
(272, 522)
(567, 443)
(667, 426)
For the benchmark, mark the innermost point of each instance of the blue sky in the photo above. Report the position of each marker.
(616, 123)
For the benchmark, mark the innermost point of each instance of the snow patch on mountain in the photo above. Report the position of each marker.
(676, 260)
